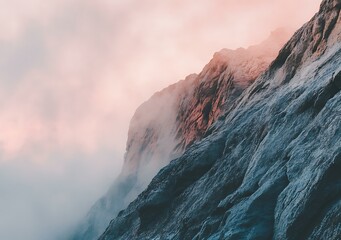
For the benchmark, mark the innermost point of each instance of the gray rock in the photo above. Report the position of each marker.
(174, 119)
(268, 168)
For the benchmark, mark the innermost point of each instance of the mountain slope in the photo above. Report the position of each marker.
(270, 167)
(174, 119)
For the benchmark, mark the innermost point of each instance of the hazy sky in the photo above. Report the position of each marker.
(73, 72)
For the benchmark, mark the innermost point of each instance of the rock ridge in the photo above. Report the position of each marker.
(174, 119)
(268, 168)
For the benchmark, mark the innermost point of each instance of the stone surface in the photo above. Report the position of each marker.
(268, 167)
(174, 119)
(177, 117)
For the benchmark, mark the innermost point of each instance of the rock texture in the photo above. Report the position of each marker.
(174, 119)
(269, 167)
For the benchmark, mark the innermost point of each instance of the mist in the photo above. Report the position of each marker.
(72, 74)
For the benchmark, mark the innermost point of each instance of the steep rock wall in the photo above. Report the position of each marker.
(267, 169)
(174, 119)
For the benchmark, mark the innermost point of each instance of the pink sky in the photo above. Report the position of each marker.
(73, 72)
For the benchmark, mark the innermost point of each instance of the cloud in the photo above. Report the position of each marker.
(72, 74)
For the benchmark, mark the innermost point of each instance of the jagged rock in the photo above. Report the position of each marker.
(174, 119)
(268, 168)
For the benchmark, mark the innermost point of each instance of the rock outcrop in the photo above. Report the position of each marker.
(269, 166)
(175, 119)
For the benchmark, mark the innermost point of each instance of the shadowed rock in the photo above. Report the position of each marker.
(173, 120)
(268, 168)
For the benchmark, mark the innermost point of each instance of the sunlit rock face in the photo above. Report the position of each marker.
(222, 80)
(269, 166)
(176, 118)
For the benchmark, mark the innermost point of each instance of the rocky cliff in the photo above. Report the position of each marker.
(174, 119)
(267, 168)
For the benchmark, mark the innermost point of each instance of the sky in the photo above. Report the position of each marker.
(72, 73)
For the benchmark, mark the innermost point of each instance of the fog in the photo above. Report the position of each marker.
(72, 74)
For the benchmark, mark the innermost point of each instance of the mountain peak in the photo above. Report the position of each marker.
(270, 167)
(247, 63)
(176, 118)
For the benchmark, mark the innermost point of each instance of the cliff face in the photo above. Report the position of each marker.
(268, 167)
(174, 119)
(222, 80)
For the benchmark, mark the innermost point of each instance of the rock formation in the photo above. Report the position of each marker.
(176, 118)
(261, 163)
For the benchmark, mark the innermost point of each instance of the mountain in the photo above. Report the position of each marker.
(174, 119)
(268, 167)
